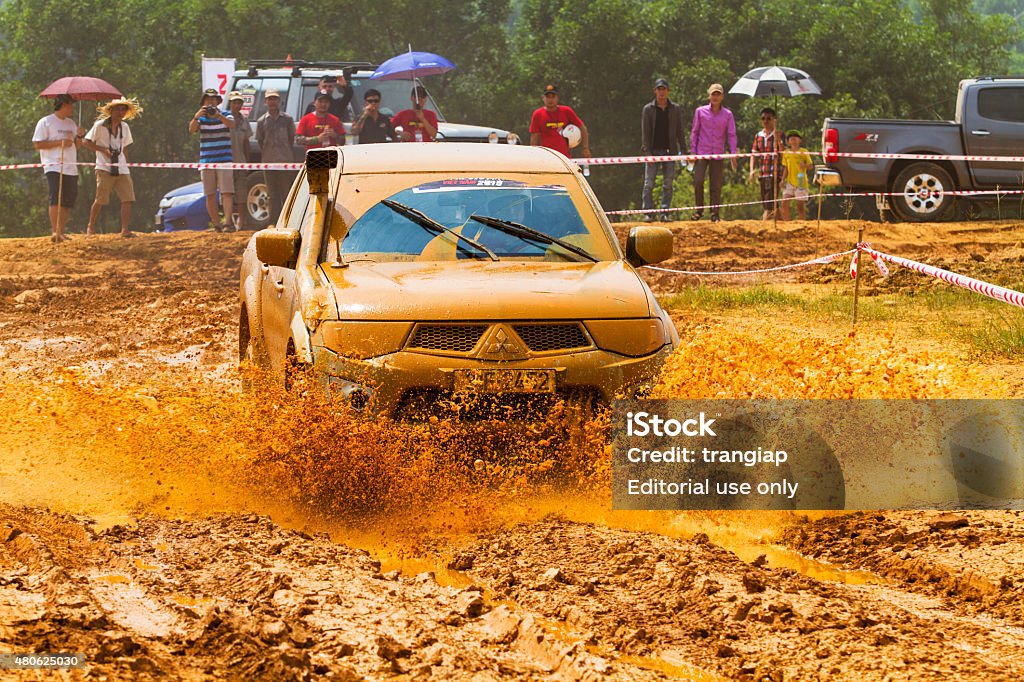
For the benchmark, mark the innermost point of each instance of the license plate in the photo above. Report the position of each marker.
(505, 380)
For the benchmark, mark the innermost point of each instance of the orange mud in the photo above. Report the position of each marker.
(146, 503)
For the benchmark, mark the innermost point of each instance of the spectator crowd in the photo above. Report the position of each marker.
(780, 167)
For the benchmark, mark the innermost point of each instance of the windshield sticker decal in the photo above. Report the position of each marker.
(459, 184)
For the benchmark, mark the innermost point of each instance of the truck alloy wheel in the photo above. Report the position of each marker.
(921, 193)
(257, 202)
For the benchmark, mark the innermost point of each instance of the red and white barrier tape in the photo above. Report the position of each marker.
(620, 160)
(927, 157)
(963, 281)
(882, 268)
(176, 164)
(817, 261)
(596, 161)
(955, 193)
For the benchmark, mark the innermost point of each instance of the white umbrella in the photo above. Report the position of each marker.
(777, 81)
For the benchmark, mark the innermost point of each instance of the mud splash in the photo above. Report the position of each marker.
(183, 444)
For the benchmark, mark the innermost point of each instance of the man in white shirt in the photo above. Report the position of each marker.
(108, 138)
(57, 138)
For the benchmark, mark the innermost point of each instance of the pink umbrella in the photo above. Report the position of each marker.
(81, 87)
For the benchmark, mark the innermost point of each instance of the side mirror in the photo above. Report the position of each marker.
(648, 245)
(278, 247)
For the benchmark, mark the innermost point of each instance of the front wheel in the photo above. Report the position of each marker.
(921, 193)
(257, 202)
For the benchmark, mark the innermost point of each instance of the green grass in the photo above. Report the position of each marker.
(1002, 336)
(729, 298)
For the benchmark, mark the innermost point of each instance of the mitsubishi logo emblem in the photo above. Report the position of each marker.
(500, 343)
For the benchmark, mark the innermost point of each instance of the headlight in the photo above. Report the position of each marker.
(181, 200)
(361, 340)
(634, 338)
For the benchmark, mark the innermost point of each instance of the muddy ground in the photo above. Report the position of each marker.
(136, 527)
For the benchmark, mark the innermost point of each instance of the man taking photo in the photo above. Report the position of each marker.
(109, 137)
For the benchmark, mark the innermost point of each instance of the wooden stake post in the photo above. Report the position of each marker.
(856, 281)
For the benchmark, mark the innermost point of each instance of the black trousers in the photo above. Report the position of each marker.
(700, 170)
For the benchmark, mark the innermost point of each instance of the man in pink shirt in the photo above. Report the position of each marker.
(713, 124)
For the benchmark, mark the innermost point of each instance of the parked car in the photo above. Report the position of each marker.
(183, 208)
(989, 122)
(403, 275)
(297, 82)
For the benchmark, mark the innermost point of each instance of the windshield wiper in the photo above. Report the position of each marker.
(518, 230)
(432, 225)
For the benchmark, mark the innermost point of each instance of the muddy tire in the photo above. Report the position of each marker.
(252, 363)
(256, 202)
(921, 193)
(298, 375)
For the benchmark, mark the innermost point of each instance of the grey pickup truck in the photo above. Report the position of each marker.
(989, 122)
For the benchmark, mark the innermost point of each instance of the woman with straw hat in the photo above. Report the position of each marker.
(108, 138)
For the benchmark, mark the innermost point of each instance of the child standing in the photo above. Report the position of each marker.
(798, 165)
(765, 167)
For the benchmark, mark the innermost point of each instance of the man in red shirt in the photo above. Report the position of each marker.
(320, 128)
(548, 121)
(418, 124)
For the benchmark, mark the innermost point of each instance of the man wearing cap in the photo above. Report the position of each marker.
(109, 137)
(320, 128)
(214, 127)
(58, 138)
(661, 134)
(548, 121)
(418, 124)
(339, 107)
(713, 126)
(240, 136)
(275, 134)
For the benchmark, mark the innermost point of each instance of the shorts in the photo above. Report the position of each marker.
(791, 191)
(66, 190)
(216, 179)
(122, 184)
(769, 192)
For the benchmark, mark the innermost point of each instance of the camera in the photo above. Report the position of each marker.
(210, 110)
(115, 158)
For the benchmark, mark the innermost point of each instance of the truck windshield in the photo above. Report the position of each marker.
(384, 234)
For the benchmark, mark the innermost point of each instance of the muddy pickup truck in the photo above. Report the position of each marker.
(989, 122)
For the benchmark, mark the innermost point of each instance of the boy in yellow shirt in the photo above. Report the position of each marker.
(797, 165)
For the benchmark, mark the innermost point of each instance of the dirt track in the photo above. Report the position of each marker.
(144, 520)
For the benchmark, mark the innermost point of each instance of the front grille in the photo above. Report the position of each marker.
(453, 338)
(547, 337)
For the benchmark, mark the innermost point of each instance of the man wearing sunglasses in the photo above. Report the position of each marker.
(373, 126)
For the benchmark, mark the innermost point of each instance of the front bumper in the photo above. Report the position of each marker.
(386, 383)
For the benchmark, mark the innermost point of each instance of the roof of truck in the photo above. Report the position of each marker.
(451, 157)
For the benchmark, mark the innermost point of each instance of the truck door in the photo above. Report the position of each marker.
(278, 293)
(993, 125)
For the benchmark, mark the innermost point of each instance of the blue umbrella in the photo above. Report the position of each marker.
(412, 65)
